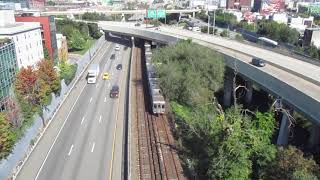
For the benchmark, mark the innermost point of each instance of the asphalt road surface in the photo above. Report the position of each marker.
(85, 140)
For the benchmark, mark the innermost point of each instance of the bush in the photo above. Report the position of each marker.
(68, 72)
(224, 33)
(239, 37)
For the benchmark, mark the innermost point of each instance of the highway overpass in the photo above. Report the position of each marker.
(142, 11)
(295, 81)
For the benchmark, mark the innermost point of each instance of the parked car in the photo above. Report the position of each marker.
(114, 92)
(258, 62)
(119, 67)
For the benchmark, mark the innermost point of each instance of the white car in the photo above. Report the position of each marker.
(117, 47)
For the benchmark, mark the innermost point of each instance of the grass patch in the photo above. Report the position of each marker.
(89, 43)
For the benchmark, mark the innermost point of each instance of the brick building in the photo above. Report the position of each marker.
(48, 32)
(243, 5)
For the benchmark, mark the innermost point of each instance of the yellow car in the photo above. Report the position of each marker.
(105, 76)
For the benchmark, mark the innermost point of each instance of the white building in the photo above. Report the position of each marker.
(280, 18)
(301, 24)
(26, 36)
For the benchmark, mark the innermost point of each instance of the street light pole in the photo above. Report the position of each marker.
(208, 23)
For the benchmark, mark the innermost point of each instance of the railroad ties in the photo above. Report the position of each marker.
(157, 157)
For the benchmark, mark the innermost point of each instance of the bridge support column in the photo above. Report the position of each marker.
(228, 87)
(314, 139)
(283, 136)
(249, 91)
(194, 14)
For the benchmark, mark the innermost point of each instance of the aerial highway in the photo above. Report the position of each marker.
(84, 141)
(295, 81)
(140, 11)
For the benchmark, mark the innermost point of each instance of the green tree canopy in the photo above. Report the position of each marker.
(291, 164)
(7, 137)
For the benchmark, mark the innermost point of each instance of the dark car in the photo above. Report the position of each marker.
(137, 24)
(114, 93)
(119, 67)
(258, 62)
(113, 56)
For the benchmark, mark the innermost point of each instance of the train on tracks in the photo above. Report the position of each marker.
(156, 98)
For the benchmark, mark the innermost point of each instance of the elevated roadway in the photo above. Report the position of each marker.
(142, 11)
(295, 81)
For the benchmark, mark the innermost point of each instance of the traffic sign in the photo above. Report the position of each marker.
(156, 13)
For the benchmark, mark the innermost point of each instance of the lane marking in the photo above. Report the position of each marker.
(70, 151)
(93, 147)
(114, 132)
(97, 85)
(105, 99)
(90, 99)
(100, 119)
(109, 84)
(82, 120)
(45, 159)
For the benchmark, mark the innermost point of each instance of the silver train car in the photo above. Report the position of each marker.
(158, 103)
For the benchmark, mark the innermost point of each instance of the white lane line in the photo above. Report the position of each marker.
(105, 99)
(82, 120)
(70, 151)
(97, 85)
(93, 147)
(109, 84)
(90, 99)
(100, 119)
(45, 159)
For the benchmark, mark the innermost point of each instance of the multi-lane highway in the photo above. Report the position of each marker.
(84, 140)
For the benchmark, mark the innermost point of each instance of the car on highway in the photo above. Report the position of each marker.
(114, 92)
(106, 76)
(113, 56)
(119, 67)
(137, 24)
(117, 47)
(258, 62)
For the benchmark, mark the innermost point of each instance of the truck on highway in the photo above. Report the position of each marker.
(93, 73)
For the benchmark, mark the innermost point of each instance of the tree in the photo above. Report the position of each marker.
(48, 74)
(76, 41)
(313, 51)
(51, 3)
(46, 53)
(94, 30)
(289, 164)
(7, 137)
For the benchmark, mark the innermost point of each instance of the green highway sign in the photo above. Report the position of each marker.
(161, 13)
(156, 13)
(314, 9)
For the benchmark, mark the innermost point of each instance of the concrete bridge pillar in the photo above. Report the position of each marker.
(249, 91)
(228, 87)
(314, 139)
(193, 14)
(283, 136)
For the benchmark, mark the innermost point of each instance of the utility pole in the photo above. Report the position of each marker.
(214, 21)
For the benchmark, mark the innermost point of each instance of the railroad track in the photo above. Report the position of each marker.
(157, 156)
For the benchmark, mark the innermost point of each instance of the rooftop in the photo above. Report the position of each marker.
(18, 28)
(4, 41)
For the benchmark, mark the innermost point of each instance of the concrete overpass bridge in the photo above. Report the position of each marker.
(141, 11)
(296, 82)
